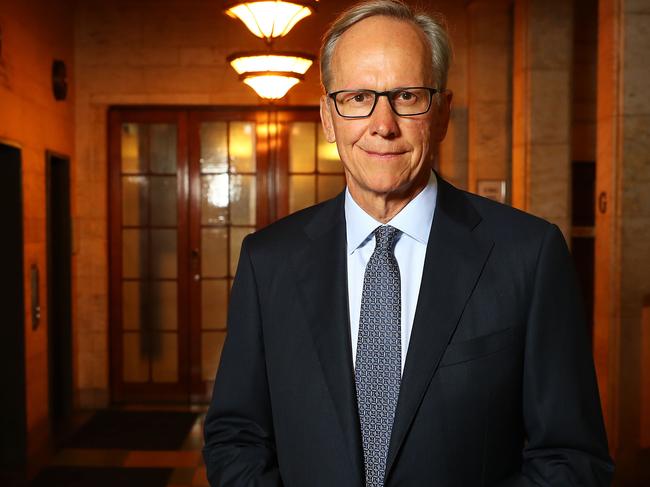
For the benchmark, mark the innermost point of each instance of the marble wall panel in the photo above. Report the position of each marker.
(637, 70)
(550, 106)
(490, 92)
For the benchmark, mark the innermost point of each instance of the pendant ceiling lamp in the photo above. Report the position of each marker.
(271, 18)
(271, 74)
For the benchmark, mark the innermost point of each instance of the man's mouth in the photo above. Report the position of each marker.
(383, 154)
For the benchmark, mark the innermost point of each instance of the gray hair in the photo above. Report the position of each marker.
(433, 29)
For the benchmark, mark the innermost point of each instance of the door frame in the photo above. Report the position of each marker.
(272, 196)
(135, 392)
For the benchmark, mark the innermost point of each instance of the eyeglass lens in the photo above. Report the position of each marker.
(360, 103)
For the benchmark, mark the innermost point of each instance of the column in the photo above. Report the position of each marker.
(490, 93)
(622, 273)
(541, 149)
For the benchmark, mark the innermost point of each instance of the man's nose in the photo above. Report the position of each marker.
(383, 120)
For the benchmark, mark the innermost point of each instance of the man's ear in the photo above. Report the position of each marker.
(326, 119)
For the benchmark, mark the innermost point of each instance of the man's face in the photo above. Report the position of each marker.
(384, 154)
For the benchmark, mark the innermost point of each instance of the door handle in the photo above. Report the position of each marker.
(196, 260)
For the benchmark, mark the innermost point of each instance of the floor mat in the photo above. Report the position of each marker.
(134, 430)
(102, 477)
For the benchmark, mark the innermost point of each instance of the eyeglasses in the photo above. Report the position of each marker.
(405, 102)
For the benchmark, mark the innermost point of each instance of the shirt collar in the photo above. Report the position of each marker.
(413, 220)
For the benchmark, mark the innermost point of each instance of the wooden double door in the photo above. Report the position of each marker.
(185, 187)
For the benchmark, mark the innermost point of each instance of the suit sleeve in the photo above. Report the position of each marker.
(566, 442)
(239, 443)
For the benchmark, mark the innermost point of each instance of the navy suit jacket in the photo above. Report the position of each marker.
(498, 386)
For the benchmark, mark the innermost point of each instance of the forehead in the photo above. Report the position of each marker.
(381, 52)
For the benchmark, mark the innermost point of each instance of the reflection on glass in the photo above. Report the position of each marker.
(214, 199)
(135, 363)
(302, 192)
(163, 148)
(132, 303)
(132, 160)
(329, 186)
(163, 201)
(134, 200)
(134, 253)
(163, 253)
(242, 147)
(164, 359)
(211, 346)
(265, 130)
(149, 305)
(237, 234)
(328, 156)
(302, 143)
(163, 304)
(214, 248)
(242, 200)
(214, 147)
(214, 304)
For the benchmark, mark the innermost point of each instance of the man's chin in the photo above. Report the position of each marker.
(386, 188)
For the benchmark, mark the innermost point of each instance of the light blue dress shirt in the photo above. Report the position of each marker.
(414, 221)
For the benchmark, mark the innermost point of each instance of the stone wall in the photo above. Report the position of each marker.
(34, 34)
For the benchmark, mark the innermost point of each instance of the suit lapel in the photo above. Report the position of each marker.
(322, 285)
(454, 260)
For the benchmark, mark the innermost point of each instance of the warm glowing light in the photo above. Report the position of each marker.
(272, 62)
(266, 129)
(130, 146)
(270, 19)
(328, 151)
(241, 144)
(270, 86)
(217, 194)
(271, 75)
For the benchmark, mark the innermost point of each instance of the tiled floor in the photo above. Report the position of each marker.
(187, 463)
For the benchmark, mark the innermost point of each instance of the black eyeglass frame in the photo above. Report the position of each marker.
(432, 91)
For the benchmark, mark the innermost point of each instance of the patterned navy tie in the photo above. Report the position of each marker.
(379, 354)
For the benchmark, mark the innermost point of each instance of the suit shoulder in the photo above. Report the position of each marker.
(290, 232)
(507, 223)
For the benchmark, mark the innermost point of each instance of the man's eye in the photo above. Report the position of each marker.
(405, 96)
(359, 97)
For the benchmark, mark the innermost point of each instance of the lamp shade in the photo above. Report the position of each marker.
(271, 86)
(271, 18)
(271, 74)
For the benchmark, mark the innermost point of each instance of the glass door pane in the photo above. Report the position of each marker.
(227, 171)
(315, 172)
(186, 188)
(149, 236)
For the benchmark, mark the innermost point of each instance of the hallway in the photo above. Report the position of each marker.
(130, 447)
(135, 160)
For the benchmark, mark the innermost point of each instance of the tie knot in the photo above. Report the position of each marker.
(385, 237)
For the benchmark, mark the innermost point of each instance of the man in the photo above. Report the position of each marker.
(405, 333)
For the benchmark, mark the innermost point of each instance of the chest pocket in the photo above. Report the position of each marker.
(477, 347)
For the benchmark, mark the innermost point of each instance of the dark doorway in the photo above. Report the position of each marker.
(59, 255)
(13, 429)
(583, 190)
